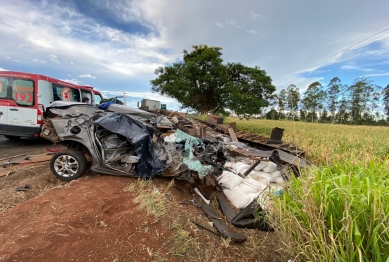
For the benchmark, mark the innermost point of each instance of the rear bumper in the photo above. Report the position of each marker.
(23, 131)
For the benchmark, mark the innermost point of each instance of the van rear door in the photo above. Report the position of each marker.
(4, 103)
(22, 113)
(3, 116)
(22, 121)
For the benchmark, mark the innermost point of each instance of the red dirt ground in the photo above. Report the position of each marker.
(90, 219)
(94, 219)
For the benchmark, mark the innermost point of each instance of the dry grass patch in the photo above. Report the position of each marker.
(325, 143)
(150, 198)
(189, 242)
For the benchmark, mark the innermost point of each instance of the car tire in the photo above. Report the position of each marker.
(68, 164)
(12, 137)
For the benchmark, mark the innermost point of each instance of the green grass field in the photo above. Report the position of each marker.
(338, 209)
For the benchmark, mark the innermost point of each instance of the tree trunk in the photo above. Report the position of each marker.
(313, 115)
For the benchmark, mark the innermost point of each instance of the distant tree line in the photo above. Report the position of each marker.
(201, 82)
(362, 103)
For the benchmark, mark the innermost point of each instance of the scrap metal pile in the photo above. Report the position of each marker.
(119, 140)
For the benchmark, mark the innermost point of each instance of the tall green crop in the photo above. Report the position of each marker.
(337, 213)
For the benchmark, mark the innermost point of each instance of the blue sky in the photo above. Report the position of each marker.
(115, 45)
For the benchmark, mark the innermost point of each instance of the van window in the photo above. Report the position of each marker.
(3, 87)
(87, 94)
(98, 99)
(23, 92)
(65, 93)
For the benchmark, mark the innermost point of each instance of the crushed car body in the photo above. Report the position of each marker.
(119, 140)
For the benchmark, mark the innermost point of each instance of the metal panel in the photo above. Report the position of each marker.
(214, 120)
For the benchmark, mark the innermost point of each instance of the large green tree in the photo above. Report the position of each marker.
(201, 82)
(361, 97)
(386, 100)
(273, 114)
(282, 100)
(333, 95)
(342, 110)
(313, 99)
(293, 99)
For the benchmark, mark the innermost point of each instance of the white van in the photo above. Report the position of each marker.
(24, 97)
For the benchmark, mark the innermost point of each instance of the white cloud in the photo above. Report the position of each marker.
(355, 67)
(54, 58)
(325, 62)
(87, 76)
(372, 75)
(38, 61)
(133, 69)
(3, 69)
(114, 47)
(254, 16)
(73, 81)
(281, 39)
(140, 95)
(232, 23)
(301, 82)
(351, 67)
(252, 32)
(39, 42)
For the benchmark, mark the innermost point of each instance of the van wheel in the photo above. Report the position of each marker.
(12, 137)
(68, 164)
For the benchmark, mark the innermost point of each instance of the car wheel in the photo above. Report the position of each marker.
(12, 137)
(68, 164)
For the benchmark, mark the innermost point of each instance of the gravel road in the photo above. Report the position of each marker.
(28, 146)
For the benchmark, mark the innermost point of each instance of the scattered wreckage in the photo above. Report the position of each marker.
(124, 141)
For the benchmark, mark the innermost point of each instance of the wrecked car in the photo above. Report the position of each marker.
(119, 140)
